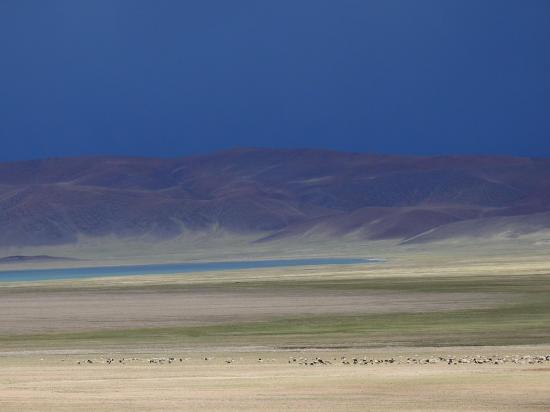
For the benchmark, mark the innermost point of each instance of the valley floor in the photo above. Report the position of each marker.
(272, 381)
(463, 331)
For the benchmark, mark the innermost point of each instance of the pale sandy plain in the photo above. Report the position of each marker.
(422, 302)
(57, 383)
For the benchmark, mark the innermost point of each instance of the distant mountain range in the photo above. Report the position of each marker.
(32, 259)
(274, 194)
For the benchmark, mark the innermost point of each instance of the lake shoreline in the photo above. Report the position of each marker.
(169, 269)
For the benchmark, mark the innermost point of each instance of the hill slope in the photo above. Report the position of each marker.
(274, 194)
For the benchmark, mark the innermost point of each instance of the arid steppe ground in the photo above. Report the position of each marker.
(59, 383)
(239, 339)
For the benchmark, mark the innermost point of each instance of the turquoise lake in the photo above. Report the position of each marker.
(166, 269)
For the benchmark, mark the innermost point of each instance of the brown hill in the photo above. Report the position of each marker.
(272, 193)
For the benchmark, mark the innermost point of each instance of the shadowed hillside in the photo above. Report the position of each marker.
(274, 194)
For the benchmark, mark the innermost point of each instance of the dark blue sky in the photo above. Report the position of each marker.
(177, 77)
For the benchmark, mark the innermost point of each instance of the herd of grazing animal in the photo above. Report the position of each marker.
(343, 360)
